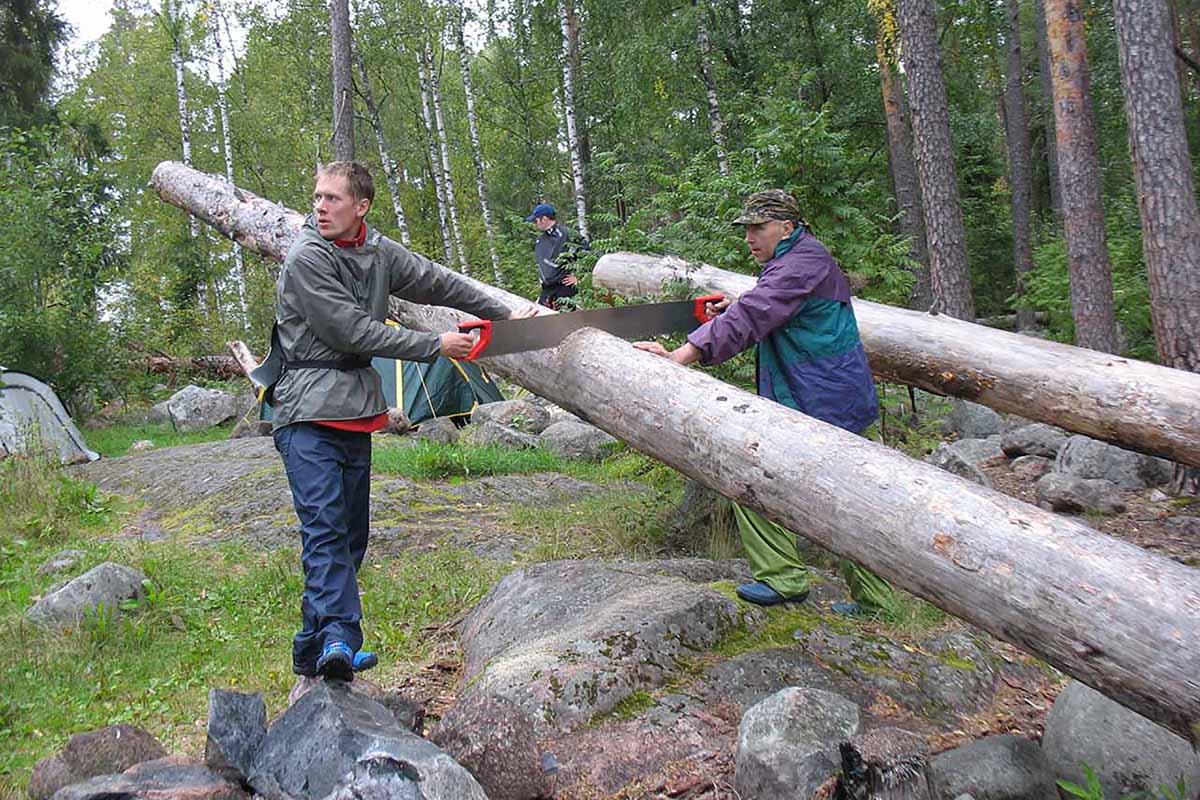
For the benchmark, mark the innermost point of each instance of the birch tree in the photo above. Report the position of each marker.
(435, 163)
(569, 29)
(173, 22)
(385, 156)
(476, 146)
(1079, 179)
(1163, 173)
(239, 270)
(343, 81)
(949, 275)
(435, 94)
(716, 122)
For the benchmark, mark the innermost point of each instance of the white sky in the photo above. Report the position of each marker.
(90, 18)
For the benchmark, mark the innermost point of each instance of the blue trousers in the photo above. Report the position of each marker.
(329, 471)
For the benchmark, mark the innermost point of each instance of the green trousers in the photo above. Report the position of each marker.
(771, 551)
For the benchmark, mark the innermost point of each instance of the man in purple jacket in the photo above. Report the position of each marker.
(810, 358)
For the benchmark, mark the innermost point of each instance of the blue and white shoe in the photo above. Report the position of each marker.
(364, 660)
(336, 661)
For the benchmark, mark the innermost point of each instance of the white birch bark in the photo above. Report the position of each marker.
(476, 146)
(239, 270)
(716, 122)
(435, 164)
(389, 164)
(435, 93)
(185, 129)
(572, 126)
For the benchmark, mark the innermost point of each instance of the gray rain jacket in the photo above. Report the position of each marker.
(331, 302)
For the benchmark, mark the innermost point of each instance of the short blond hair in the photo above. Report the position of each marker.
(358, 177)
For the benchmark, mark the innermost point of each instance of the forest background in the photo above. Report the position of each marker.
(645, 123)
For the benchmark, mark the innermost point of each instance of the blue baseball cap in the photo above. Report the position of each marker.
(541, 210)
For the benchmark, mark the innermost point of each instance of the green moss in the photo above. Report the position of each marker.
(632, 706)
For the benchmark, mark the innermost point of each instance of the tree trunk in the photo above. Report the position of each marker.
(343, 81)
(385, 156)
(435, 93)
(1104, 611)
(476, 145)
(239, 269)
(1020, 178)
(950, 277)
(1079, 180)
(716, 123)
(884, 764)
(435, 163)
(1047, 109)
(568, 27)
(900, 157)
(1132, 404)
(1166, 197)
(174, 29)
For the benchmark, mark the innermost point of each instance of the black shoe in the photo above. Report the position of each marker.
(336, 661)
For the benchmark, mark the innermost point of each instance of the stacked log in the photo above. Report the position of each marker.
(1130, 403)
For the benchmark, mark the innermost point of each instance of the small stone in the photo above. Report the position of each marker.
(141, 445)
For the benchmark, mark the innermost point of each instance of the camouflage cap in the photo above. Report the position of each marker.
(771, 204)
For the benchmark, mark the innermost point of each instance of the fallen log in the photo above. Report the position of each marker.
(1116, 617)
(1130, 403)
(215, 367)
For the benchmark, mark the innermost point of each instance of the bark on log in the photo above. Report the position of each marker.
(1133, 404)
(216, 367)
(1106, 612)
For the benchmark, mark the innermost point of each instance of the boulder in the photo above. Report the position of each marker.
(973, 421)
(1128, 752)
(1030, 468)
(1037, 439)
(1083, 457)
(439, 429)
(237, 723)
(522, 415)
(495, 740)
(492, 432)
(170, 778)
(193, 408)
(409, 713)
(964, 457)
(994, 768)
(787, 745)
(1076, 495)
(567, 641)
(328, 741)
(106, 585)
(61, 561)
(577, 440)
(100, 752)
(1183, 525)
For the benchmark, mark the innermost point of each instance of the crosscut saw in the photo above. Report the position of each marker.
(502, 337)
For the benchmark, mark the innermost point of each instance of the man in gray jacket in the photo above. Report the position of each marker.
(331, 302)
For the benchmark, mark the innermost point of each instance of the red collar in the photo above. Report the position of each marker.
(357, 241)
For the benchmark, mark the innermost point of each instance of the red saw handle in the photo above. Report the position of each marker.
(698, 309)
(484, 326)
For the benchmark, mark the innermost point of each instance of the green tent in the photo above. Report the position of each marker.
(445, 388)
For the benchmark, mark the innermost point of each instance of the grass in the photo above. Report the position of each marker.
(152, 664)
(115, 440)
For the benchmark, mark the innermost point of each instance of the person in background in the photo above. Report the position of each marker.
(555, 251)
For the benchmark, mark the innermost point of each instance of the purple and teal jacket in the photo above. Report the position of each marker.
(810, 356)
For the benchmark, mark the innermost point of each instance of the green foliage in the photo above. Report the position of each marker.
(57, 256)
(1092, 790)
(690, 215)
(30, 33)
(1048, 287)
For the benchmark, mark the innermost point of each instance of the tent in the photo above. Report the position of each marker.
(33, 419)
(444, 388)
